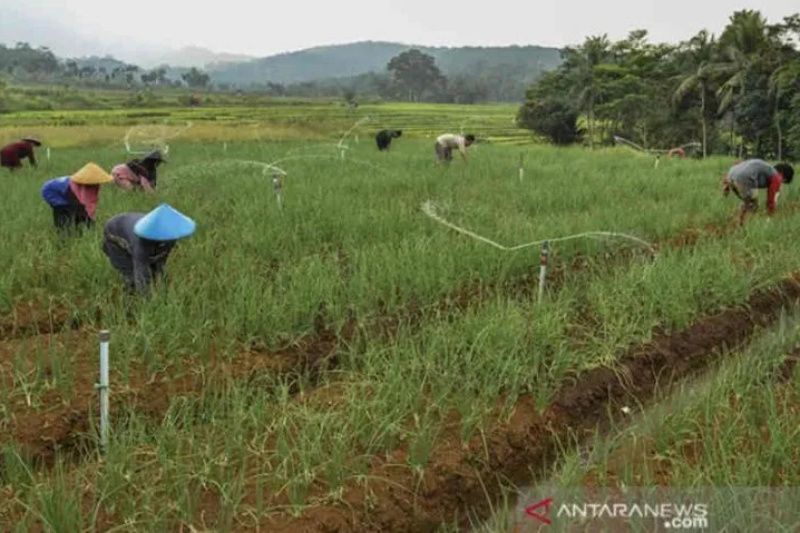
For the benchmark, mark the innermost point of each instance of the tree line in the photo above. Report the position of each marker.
(737, 93)
(25, 63)
(411, 75)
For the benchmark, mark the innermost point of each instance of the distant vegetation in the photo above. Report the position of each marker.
(475, 74)
(736, 93)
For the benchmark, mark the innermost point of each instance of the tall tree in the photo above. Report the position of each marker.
(414, 73)
(743, 39)
(701, 53)
(582, 62)
(196, 79)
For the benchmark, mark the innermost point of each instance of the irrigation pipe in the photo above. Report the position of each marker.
(429, 208)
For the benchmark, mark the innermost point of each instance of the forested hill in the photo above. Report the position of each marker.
(338, 61)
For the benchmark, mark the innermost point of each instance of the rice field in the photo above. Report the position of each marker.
(342, 361)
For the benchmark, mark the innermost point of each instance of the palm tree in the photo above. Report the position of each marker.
(701, 53)
(582, 61)
(742, 41)
(782, 81)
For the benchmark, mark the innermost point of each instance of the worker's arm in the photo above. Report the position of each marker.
(775, 183)
(31, 157)
(146, 185)
(462, 149)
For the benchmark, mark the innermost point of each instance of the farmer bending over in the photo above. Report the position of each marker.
(138, 245)
(384, 138)
(747, 177)
(139, 174)
(445, 144)
(11, 155)
(73, 199)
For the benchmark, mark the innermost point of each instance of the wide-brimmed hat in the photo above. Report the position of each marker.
(164, 223)
(156, 155)
(91, 174)
(32, 140)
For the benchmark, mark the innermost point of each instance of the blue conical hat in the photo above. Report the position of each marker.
(164, 224)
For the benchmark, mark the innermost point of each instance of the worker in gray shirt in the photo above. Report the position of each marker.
(138, 244)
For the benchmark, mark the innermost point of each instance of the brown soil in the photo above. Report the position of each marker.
(28, 319)
(65, 422)
(460, 477)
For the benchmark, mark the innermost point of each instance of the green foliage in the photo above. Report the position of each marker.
(195, 78)
(735, 93)
(549, 115)
(414, 74)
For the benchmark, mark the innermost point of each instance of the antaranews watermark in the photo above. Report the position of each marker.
(657, 509)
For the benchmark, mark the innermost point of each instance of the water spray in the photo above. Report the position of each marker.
(138, 143)
(430, 209)
(341, 146)
(652, 151)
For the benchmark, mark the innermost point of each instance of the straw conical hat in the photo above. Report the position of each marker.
(164, 224)
(91, 174)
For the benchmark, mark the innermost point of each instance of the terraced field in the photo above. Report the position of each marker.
(278, 120)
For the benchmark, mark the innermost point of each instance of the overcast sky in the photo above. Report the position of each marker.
(271, 26)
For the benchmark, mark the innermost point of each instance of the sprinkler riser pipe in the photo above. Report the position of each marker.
(543, 259)
(277, 185)
(103, 388)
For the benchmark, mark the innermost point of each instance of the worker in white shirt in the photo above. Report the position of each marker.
(445, 144)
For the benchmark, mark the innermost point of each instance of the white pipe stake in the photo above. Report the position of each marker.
(47, 151)
(105, 336)
(521, 169)
(225, 147)
(277, 184)
(543, 257)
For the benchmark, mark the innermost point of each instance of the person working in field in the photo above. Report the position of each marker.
(139, 174)
(11, 155)
(138, 244)
(73, 199)
(384, 138)
(747, 177)
(445, 144)
(132, 176)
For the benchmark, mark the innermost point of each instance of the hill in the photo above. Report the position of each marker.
(337, 61)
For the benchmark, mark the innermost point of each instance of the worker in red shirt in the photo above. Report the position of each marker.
(11, 155)
(747, 177)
